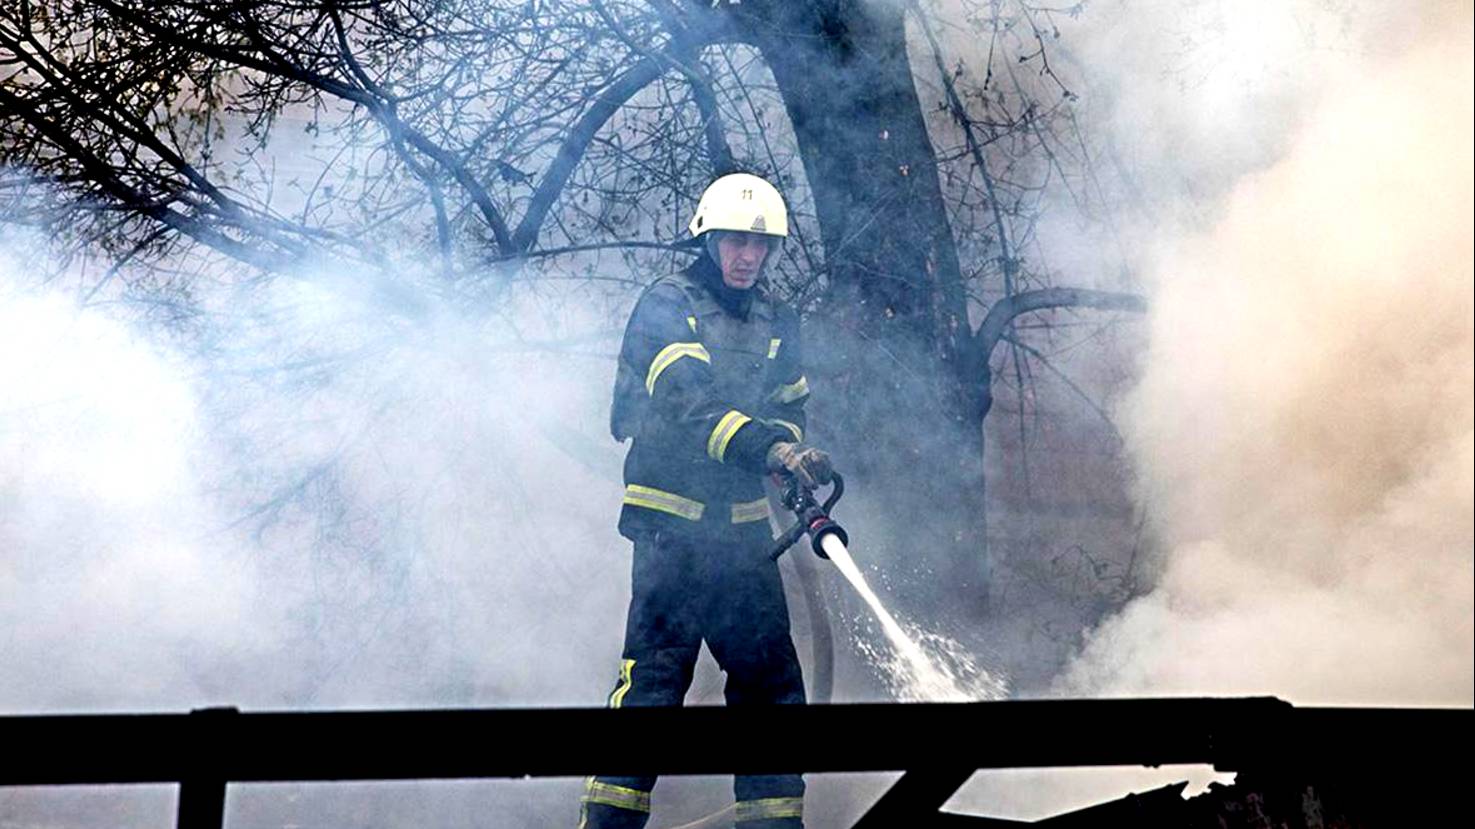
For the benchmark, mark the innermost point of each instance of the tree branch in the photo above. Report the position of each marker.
(106, 178)
(606, 104)
(1003, 312)
(975, 149)
(683, 58)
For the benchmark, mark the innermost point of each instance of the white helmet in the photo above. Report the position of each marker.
(741, 201)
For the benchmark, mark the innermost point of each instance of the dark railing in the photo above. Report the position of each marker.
(937, 745)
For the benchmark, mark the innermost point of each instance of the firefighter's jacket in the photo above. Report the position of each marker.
(718, 390)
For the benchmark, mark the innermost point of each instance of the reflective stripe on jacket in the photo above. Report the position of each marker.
(721, 389)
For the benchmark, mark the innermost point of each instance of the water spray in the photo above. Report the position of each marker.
(920, 676)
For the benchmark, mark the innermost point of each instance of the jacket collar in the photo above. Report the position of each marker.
(735, 302)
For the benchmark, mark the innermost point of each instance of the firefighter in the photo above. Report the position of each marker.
(711, 390)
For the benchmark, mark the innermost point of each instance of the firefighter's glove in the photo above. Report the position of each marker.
(809, 465)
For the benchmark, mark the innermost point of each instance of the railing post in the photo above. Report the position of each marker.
(202, 792)
(201, 804)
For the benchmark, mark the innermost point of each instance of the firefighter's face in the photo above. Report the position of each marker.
(742, 256)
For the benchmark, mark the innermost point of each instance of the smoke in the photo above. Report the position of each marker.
(339, 497)
(107, 583)
(326, 496)
(1302, 431)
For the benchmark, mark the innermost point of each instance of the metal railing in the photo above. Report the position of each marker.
(937, 745)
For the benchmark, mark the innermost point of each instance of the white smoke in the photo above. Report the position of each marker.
(327, 498)
(109, 577)
(1301, 431)
(1303, 426)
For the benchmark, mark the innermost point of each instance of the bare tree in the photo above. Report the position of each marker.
(500, 139)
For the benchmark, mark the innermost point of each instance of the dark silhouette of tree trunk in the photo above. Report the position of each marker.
(906, 378)
(891, 340)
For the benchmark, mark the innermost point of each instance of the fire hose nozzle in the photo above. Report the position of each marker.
(822, 527)
(814, 518)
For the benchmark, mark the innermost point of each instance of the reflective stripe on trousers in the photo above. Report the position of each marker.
(617, 796)
(726, 593)
(769, 808)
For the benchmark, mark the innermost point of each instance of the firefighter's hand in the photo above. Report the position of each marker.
(809, 465)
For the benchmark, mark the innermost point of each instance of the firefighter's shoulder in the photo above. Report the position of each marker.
(665, 298)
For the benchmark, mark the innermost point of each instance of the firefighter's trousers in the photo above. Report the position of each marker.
(728, 593)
